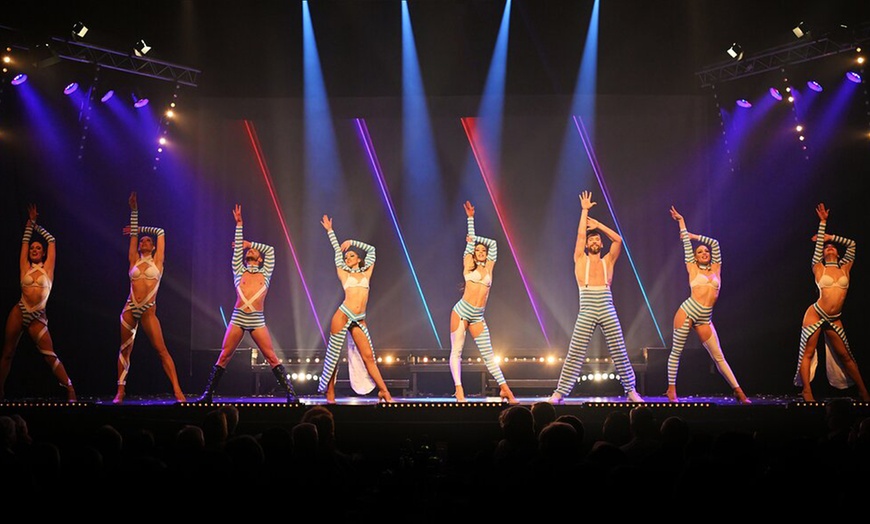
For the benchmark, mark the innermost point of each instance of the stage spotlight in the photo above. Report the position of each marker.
(735, 51)
(44, 56)
(774, 92)
(744, 103)
(79, 30)
(19, 79)
(139, 101)
(852, 76)
(71, 88)
(800, 30)
(107, 95)
(815, 86)
(140, 48)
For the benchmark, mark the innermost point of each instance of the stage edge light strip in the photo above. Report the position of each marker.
(267, 176)
(468, 125)
(587, 145)
(379, 175)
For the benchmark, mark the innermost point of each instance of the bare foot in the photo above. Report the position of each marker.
(672, 394)
(459, 394)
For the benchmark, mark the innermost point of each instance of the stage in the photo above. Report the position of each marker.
(362, 422)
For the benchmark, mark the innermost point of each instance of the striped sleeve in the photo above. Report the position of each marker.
(268, 253)
(820, 243)
(370, 254)
(339, 256)
(688, 254)
(850, 248)
(715, 253)
(491, 247)
(469, 246)
(238, 250)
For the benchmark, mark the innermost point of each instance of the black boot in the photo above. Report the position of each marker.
(216, 373)
(281, 377)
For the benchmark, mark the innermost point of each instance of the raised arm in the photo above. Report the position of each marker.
(326, 222)
(469, 233)
(819, 237)
(238, 242)
(586, 204)
(133, 251)
(51, 246)
(24, 257)
(688, 253)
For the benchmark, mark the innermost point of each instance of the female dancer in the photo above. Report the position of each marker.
(354, 274)
(253, 263)
(704, 266)
(37, 275)
(832, 278)
(146, 270)
(467, 315)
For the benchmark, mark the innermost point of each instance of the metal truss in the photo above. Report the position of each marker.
(778, 57)
(127, 62)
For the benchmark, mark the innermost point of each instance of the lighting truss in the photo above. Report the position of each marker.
(777, 57)
(121, 61)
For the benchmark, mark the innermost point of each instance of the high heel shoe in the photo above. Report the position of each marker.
(556, 398)
(119, 396)
(507, 395)
(741, 396)
(384, 396)
(634, 396)
(459, 394)
(672, 394)
(71, 394)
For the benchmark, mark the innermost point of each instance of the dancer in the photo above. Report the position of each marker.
(594, 274)
(823, 316)
(704, 266)
(467, 315)
(36, 263)
(354, 273)
(253, 264)
(146, 269)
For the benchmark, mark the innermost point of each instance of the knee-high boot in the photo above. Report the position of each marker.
(281, 377)
(216, 373)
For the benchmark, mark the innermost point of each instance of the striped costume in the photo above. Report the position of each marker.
(596, 310)
(836, 375)
(696, 314)
(247, 317)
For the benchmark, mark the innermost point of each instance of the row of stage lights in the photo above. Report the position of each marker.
(137, 99)
(852, 76)
(139, 49)
(389, 360)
